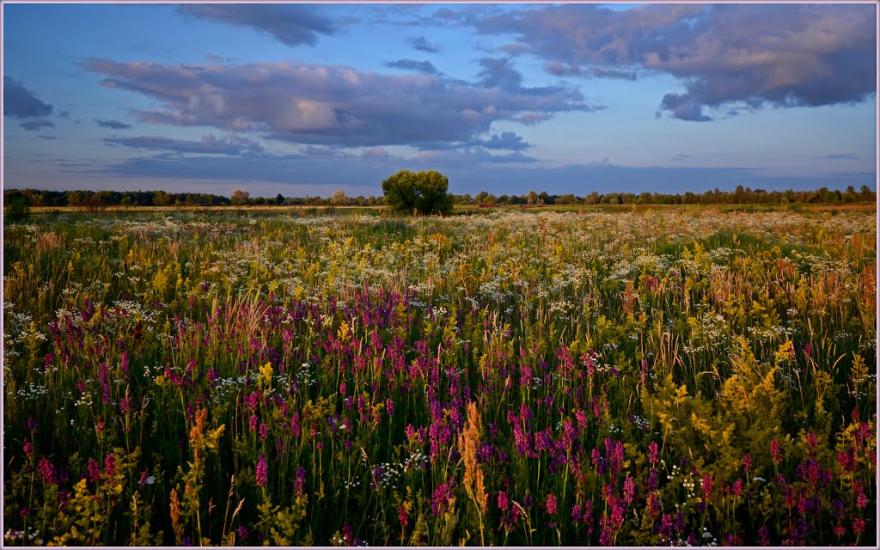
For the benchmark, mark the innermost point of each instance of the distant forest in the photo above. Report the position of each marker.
(741, 195)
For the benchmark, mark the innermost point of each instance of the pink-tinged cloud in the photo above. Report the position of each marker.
(754, 55)
(337, 105)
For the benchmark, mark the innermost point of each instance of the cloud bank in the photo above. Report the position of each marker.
(751, 55)
(337, 105)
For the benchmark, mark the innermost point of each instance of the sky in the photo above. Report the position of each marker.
(304, 99)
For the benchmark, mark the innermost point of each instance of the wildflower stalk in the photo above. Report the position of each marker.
(474, 483)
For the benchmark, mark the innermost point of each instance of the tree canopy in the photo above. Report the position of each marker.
(418, 192)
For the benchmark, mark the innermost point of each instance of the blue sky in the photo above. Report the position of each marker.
(310, 99)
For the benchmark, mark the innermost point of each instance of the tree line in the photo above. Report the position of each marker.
(741, 195)
(38, 197)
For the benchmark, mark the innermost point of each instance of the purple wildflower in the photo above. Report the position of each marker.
(440, 499)
(262, 472)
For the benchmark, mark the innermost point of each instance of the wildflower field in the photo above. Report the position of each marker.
(629, 377)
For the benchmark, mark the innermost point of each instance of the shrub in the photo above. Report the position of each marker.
(18, 210)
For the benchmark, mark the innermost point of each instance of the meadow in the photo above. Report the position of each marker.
(650, 376)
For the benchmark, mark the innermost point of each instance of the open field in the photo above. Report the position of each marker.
(608, 375)
(458, 209)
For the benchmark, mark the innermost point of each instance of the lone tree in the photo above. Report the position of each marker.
(240, 198)
(339, 198)
(418, 192)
